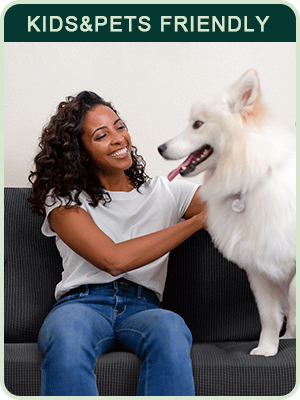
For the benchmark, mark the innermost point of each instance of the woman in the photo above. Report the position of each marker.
(114, 227)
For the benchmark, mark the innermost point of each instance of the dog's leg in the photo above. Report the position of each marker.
(291, 321)
(268, 301)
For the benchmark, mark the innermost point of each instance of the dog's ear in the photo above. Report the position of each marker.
(245, 92)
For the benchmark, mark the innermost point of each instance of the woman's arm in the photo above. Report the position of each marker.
(197, 205)
(78, 230)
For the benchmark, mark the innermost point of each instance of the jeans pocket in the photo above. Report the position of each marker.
(71, 297)
(75, 296)
(153, 300)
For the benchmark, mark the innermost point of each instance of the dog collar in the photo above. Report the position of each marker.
(238, 205)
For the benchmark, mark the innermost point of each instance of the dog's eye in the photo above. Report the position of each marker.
(197, 124)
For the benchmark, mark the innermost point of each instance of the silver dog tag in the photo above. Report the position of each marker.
(237, 205)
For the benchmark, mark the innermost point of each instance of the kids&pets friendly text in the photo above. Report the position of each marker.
(200, 24)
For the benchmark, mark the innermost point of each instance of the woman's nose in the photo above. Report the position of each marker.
(117, 137)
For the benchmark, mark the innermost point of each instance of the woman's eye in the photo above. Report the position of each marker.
(120, 127)
(197, 124)
(100, 137)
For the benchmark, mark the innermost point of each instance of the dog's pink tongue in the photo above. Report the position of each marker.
(176, 171)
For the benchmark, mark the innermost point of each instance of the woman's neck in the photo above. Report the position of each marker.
(116, 183)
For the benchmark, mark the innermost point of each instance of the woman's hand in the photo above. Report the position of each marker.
(197, 210)
(200, 219)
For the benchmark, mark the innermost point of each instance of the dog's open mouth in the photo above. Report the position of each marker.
(191, 162)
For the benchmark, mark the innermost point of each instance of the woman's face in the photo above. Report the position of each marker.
(107, 141)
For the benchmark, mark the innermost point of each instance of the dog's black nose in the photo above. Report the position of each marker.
(162, 148)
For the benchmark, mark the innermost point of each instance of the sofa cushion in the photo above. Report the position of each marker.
(227, 369)
(220, 369)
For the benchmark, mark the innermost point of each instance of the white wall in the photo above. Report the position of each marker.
(152, 85)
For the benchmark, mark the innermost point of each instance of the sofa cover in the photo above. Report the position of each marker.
(210, 293)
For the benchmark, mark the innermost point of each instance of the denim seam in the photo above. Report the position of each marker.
(146, 360)
(117, 315)
(41, 347)
(125, 307)
(104, 340)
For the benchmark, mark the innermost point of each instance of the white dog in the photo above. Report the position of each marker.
(250, 188)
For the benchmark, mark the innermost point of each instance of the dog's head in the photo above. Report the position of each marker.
(209, 134)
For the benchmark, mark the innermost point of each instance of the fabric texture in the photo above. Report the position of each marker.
(32, 269)
(220, 369)
(157, 204)
(211, 294)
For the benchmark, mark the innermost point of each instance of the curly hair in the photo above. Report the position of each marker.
(60, 165)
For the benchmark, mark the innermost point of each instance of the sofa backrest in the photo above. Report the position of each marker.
(211, 294)
(32, 268)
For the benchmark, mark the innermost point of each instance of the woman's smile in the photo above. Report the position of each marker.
(121, 153)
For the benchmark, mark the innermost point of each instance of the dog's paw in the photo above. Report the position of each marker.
(266, 351)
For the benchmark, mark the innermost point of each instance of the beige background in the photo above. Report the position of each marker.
(152, 85)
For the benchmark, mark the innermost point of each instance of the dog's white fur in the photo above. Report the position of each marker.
(254, 162)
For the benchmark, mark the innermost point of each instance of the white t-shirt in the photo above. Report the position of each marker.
(157, 205)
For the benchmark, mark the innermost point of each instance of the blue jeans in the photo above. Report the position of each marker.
(84, 325)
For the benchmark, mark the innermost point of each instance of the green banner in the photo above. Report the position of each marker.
(150, 23)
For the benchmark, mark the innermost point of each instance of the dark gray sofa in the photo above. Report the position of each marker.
(211, 294)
